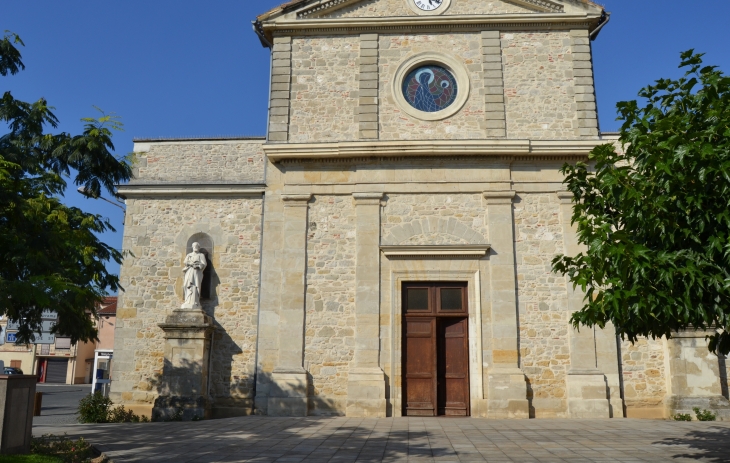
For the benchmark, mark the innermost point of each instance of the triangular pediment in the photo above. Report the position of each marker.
(342, 9)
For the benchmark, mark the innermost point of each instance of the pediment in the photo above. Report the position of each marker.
(342, 9)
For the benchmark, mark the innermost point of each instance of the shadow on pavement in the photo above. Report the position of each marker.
(711, 445)
(260, 439)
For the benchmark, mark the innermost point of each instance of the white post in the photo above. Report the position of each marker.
(93, 371)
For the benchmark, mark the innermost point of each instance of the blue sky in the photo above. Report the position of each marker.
(191, 68)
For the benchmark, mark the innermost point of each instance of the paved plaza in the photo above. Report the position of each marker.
(60, 403)
(340, 439)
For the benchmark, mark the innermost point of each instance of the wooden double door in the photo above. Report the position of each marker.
(435, 349)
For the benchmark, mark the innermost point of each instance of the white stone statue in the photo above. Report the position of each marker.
(195, 263)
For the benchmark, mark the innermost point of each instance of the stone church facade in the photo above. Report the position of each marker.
(386, 249)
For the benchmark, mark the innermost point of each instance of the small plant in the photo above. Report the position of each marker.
(682, 417)
(704, 415)
(95, 408)
(63, 448)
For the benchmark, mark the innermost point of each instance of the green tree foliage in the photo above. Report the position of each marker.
(51, 257)
(655, 220)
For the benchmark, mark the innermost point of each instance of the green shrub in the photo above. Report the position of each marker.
(704, 415)
(682, 417)
(62, 449)
(95, 408)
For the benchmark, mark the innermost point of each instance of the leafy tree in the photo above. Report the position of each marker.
(655, 220)
(51, 257)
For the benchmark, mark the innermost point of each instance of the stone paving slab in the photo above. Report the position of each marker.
(341, 439)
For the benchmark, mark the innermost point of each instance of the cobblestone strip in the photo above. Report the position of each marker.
(585, 94)
(280, 90)
(494, 117)
(368, 107)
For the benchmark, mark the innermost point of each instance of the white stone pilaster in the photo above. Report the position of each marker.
(288, 394)
(506, 385)
(366, 381)
(586, 386)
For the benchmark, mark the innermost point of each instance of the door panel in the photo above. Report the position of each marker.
(420, 376)
(435, 349)
(453, 365)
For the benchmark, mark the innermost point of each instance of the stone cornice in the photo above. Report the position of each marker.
(457, 250)
(323, 6)
(367, 198)
(499, 197)
(509, 148)
(197, 190)
(461, 23)
(296, 200)
(543, 5)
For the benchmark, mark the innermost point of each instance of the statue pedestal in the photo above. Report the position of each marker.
(183, 386)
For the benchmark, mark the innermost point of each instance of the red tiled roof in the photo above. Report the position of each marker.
(108, 307)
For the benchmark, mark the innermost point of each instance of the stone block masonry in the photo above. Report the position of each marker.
(157, 231)
(544, 343)
(494, 116)
(280, 90)
(367, 114)
(324, 92)
(233, 161)
(383, 8)
(466, 124)
(330, 302)
(538, 83)
(585, 93)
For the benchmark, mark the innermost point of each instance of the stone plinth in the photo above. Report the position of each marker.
(696, 376)
(184, 381)
(17, 393)
(587, 394)
(288, 395)
(507, 394)
(366, 393)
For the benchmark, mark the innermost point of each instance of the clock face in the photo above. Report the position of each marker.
(428, 5)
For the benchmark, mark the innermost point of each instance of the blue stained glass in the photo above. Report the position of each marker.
(430, 88)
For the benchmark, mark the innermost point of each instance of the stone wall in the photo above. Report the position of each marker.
(235, 161)
(644, 376)
(324, 89)
(538, 85)
(157, 231)
(484, 7)
(541, 297)
(330, 310)
(373, 8)
(433, 219)
(467, 123)
(379, 8)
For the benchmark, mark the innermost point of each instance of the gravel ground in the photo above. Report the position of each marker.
(60, 403)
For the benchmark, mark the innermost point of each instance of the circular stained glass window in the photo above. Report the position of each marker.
(430, 88)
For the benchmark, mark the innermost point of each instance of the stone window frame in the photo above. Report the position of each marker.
(438, 11)
(449, 62)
